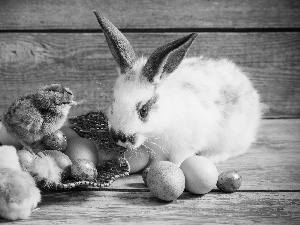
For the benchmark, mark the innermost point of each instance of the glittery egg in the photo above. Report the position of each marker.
(83, 169)
(165, 180)
(201, 174)
(229, 181)
(56, 141)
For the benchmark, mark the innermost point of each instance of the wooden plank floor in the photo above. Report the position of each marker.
(270, 192)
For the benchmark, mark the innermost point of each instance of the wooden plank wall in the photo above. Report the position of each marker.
(56, 41)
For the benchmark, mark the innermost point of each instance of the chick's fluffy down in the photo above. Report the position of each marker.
(18, 192)
(9, 157)
(45, 168)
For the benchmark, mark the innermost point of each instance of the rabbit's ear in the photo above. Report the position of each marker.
(119, 46)
(167, 58)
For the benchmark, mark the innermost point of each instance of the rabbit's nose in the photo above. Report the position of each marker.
(118, 136)
(131, 139)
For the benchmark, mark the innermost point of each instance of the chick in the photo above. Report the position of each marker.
(32, 117)
(18, 192)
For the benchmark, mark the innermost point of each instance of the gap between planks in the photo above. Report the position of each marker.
(141, 190)
(161, 30)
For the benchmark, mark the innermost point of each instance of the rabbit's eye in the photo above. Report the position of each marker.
(143, 112)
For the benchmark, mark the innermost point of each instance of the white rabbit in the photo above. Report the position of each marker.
(18, 192)
(192, 105)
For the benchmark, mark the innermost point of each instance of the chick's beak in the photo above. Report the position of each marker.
(73, 103)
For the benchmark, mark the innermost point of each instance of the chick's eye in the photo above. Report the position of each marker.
(68, 92)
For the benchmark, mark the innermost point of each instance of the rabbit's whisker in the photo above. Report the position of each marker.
(149, 150)
(163, 149)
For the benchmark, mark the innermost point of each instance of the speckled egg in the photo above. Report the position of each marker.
(229, 181)
(201, 174)
(56, 141)
(165, 180)
(83, 169)
(144, 174)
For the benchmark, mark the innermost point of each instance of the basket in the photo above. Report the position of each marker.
(113, 165)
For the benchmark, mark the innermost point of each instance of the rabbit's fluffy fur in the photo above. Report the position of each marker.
(18, 192)
(207, 107)
(192, 105)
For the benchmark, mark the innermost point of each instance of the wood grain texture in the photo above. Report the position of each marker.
(82, 61)
(101, 207)
(77, 14)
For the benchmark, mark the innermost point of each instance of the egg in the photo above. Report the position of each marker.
(137, 159)
(25, 158)
(83, 169)
(7, 139)
(69, 132)
(62, 161)
(229, 181)
(81, 148)
(144, 174)
(201, 174)
(165, 180)
(56, 140)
